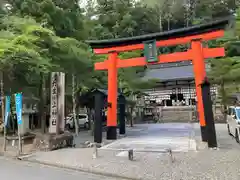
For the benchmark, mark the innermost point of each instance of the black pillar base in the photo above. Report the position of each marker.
(98, 118)
(122, 124)
(204, 133)
(122, 130)
(208, 113)
(111, 133)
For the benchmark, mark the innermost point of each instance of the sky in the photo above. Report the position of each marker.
(83, 3)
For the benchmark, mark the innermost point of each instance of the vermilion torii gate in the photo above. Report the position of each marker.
(194, 35)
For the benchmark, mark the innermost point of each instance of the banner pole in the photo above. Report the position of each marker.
(2, 100)
(19, 141)
(4, 127)
(6, 116)
(4, 139)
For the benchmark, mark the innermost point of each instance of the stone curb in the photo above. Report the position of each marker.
(86, 170)
(8, 155)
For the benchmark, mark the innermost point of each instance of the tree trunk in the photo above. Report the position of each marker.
(168, 23)
(74, 105)
(42, 114)
(92, 120)
(187, 18)
(89, 119)
(224, 101)
(2, 95)
(12, 116)
(131, 117)
(160, 22)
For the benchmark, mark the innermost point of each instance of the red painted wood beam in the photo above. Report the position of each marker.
(169, 42)
(200, 74)
(164, 58)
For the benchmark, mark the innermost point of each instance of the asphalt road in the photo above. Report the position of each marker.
(19, 170)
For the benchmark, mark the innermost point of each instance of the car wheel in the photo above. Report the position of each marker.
(228, 129)
(68, 127)
(86, 126)
(237, 136)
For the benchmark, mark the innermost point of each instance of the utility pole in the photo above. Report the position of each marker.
(75, 119)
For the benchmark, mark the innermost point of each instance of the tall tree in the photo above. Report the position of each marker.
(28, 50)
(64, 17)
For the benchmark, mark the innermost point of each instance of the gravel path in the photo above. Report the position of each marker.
(222, 164)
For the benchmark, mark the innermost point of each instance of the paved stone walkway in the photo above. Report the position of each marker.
(157, 137)
(222, 164)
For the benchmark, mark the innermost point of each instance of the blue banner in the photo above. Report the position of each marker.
(7, 109)
(18, 102)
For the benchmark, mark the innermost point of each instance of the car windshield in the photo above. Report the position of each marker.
(81, 116)
(238, 113)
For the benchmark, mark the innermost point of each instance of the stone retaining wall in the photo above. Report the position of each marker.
(186, 114)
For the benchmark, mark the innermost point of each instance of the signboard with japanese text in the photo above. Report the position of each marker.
(7, 109)
(18, 102)
(54, 102)
(57, 102)
(150, 51)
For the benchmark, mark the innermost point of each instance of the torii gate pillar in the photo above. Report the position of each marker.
(200, 74)
(112, 96)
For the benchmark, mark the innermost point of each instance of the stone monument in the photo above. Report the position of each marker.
(57, 103)
(57, 137)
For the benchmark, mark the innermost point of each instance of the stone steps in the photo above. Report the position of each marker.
(176, 116)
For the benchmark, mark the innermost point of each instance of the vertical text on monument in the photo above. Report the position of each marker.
(57, 122)
(54, 102)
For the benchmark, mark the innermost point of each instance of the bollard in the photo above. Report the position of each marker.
(95, 151)
(171, 155)
(13, 143)
(130, 155)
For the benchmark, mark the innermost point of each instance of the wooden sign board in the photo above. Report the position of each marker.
(150, 51)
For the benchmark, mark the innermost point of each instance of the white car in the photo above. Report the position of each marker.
(233, 122)
(82, 119)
